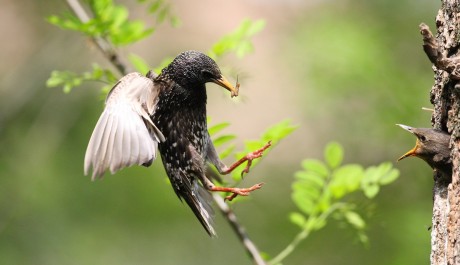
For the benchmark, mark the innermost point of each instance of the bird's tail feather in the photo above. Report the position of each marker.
(199, 200)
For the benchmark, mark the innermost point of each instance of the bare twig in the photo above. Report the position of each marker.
(104, 45)
(431, 47)
(107, 49)
(430, 44)
(239, 230)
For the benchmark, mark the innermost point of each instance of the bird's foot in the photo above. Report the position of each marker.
(256, 154)
(237, 191)
(249, 157)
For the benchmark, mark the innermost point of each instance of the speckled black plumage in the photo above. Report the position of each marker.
(168, 111)
(181, 117)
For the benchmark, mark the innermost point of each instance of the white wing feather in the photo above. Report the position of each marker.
(124, 134)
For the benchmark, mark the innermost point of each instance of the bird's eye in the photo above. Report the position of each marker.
(422, 138)
(207, 75)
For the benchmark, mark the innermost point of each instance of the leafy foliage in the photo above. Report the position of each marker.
(111, 21)
(321, 188)
(239, 41)
(274, 134)
(162, 11)
(68, 80)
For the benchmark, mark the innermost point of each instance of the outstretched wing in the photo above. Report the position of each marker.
(125, 134)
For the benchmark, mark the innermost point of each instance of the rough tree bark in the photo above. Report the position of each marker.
(443, 51)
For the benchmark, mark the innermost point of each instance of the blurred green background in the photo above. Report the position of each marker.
(342, 70)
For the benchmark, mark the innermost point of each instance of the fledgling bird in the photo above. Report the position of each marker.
(167, 111)
(432, 146)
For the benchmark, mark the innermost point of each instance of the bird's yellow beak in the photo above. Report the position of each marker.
(410, 152)
(223, 82)
(413, 150)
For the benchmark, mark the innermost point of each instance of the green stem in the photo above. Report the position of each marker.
(288, 250)
(304, 233)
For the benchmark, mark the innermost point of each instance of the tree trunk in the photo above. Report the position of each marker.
(445, 96)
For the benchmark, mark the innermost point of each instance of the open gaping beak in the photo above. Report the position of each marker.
(413, 150)
(223, 82)
(410, 152)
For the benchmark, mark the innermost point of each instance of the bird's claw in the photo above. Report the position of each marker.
(242, 191)
(251, 156)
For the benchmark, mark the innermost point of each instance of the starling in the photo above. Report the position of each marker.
(167, 111)
(432, 146)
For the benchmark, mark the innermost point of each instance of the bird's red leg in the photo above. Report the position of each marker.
(249, 157)
(226, 170)
(236, 191)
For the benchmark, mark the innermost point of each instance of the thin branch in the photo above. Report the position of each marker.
(104, 45)
(239, 230)
(106, 48)
(431, 47)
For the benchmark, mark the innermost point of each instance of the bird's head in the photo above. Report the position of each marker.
(431, 145)
(192, 68)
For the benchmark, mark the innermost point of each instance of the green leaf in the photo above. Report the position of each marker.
(371, 174)
(228, 151)
(325, 201)
(311, 177)
(238, 41)
(99, 7)
(256, 27)
(316, 166)
(252, 145)
(162, 10)
(378, 175)
(363, 238)
(306, 189)
(68, 80)
(389, 177)
(333, 154)
(371, 190)
(55, 79)
(223, 139)
(244, 48)
(119, 17)
(355, 220)
(316, 224)
(279, 131)
(387, 173)
(71, 23)
(175, 21)
(110, 21)
(346, 179)
(139, 64)
(274, 134)
(298, 219)
(217, 128)
(303, 202)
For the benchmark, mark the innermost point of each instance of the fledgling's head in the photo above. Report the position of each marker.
(432, 146)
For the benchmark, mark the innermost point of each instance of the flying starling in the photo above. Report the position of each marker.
(167, 111)
(432, 146)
